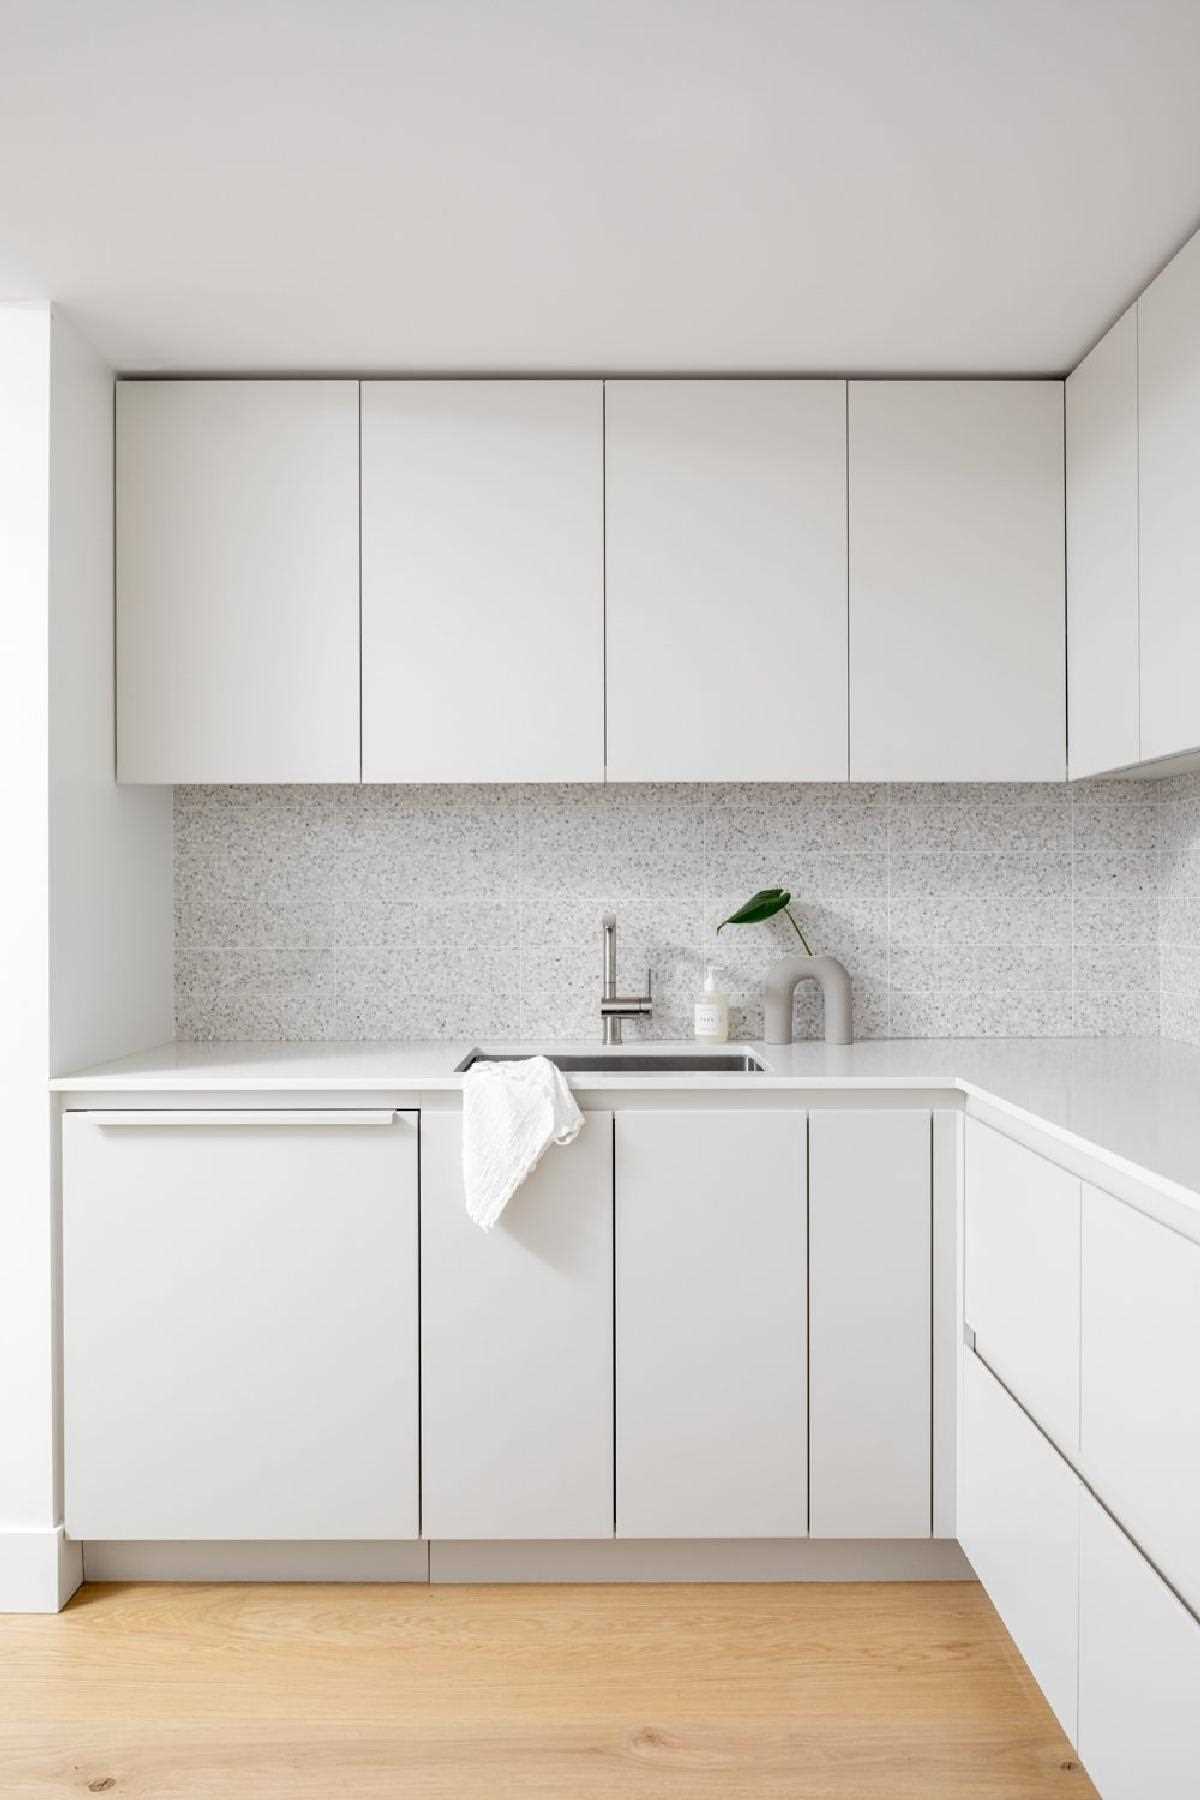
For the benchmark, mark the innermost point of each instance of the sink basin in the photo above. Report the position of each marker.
(631, 1062)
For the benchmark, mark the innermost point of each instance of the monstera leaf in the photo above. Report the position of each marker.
(764, 905)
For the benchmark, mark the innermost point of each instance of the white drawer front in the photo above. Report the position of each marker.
(1018, 1513)
(1022, 1275)
(1139, 1672)
(1140, 1428)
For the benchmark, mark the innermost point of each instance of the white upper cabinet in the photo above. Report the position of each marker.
(482, 581)
(957, 641)
(237, 581)
(1103, 729)
(1169, 451)
(725, 516)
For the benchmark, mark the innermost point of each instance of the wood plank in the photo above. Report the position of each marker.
(866, 1692)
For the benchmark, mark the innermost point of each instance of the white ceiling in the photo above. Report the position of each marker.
(595, 184)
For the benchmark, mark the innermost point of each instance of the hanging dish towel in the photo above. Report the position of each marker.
(512, 1113)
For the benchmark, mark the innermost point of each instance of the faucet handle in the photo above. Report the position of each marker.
(649, 984)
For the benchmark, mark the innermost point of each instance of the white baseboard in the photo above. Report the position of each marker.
(267, 1560)
(39, 1570)
(725, 1559)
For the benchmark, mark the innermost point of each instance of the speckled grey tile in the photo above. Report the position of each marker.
(245, 921)
(980, 1012)
(974, 794)
(639, 841)
(1008, 877)
(1180, 1017)
(1179, 919)
(431, 843)
(1105, 919)
(784, 823)
(935, 917)
(1017, 968)
(383, 994)
(813, 875)
(258, 995)
(1042, 829)
(1117, 872)
(1102, 829)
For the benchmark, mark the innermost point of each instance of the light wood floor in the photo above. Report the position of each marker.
(877, 1692)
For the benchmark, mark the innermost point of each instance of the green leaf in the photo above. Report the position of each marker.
(763, 905)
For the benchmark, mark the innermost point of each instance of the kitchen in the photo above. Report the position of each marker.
(761, 773)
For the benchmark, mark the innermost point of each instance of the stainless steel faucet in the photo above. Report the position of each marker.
(613, 1006)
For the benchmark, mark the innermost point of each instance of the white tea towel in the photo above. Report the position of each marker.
(512, 1113)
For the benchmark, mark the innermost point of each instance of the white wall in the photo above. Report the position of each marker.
(27, 1427)
(111, 892)
(86, 901)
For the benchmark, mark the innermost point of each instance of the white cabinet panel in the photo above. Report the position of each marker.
(1169, 478)
(240, 1326)
(237, 580)
(1018, 1521)
(1140, 1430)
(1022, 1275)
(1102, 553)
(1139, 1672)
(725, 518)
(710, 1323)
(957, 643)
(517, 1345)
(870, 1217)
(483, 581)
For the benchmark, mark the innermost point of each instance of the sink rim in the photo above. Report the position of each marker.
(739, 1061)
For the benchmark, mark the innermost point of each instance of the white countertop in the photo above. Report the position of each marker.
(1135, 1102)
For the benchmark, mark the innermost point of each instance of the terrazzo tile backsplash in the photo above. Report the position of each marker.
(1179, 907)
(431, 912)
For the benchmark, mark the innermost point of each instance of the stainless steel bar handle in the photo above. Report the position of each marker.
(202, 1116)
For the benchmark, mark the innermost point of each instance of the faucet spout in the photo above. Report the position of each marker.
(613, 1006)
(784, 977)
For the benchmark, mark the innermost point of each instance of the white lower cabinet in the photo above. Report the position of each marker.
(240, 1324)
(517, 1345)
(1018, 1521)
(1139, 1671)
(1140, 1393)
(870, 1380)
(1021, 1275)
(710, 1321)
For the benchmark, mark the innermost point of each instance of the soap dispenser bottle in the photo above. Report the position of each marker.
(711, 1012)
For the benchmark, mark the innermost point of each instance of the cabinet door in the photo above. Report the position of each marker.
(710, 1322)
(1022, 1275)
(1140, 1431)
(237, 580)
(1102, 554)
(869, 1249)
(725, 544)
(957, 640)
(517, 1345)
(1139, 1672)
(1169, 477)
(1018, 1521)
(240, 1324)
(483, 581)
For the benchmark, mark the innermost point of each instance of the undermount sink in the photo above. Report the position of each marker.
(630, 1062)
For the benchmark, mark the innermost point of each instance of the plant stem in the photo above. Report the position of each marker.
(797, 930)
